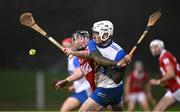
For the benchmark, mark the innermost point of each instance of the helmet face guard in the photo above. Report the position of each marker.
(104, 28)
(75, 38)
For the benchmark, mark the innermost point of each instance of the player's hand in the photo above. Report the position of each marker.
(155, 82)
(59, 84)
(125, 61)
(67, 51)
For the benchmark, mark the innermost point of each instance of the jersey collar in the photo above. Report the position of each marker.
(109, 44)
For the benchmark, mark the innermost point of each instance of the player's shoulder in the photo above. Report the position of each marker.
(166, 55)
(70, 57)
(91, 42)
(115, 46)
(92, 45)
(75, 58)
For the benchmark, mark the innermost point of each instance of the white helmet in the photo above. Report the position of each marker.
(158, 43)
(103, 27)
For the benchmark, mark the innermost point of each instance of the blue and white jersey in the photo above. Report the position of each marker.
(113, 52)
(81, 84)
(73, 63)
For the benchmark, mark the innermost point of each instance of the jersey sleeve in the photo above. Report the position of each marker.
(76, 62)
(166, 61)
(120, 55)
(92, 45)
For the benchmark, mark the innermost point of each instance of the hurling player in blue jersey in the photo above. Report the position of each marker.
(110, 60)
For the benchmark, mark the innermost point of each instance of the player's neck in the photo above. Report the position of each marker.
(106, 44)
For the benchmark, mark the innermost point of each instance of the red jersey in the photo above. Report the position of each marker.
(165, 59)
(137, 83)
(87, 66)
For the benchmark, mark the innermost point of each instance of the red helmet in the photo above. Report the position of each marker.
(67, 40)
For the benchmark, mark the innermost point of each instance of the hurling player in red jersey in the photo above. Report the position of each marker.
(80, 40)
(137, 88)
(170, 71)
(80, 88)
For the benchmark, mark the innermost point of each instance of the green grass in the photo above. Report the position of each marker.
(18, 92)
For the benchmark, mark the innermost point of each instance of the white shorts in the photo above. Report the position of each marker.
(175, 95)
(137, 97)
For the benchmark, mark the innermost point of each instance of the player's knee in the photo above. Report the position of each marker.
(82, 109)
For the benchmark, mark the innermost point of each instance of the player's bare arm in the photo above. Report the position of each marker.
(81, 54)
(59, 84)
(170, 74)
(148, 91)
(97, 57)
